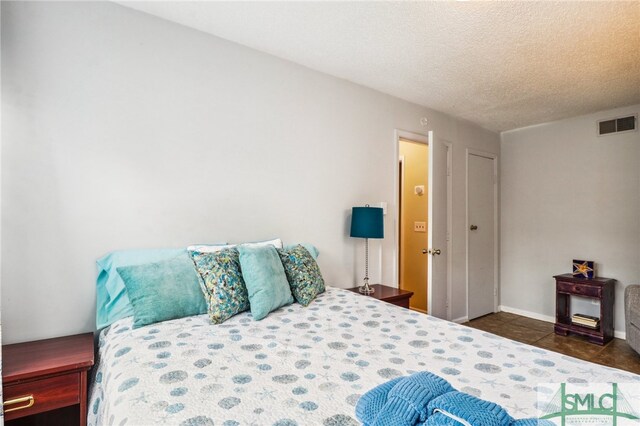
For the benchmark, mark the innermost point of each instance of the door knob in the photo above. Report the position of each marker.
(473, 227)
(434, 252)
(424, 251)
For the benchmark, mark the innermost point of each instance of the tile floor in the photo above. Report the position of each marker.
(539, 333)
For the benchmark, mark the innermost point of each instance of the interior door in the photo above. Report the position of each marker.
(439, 161)
(481, 236)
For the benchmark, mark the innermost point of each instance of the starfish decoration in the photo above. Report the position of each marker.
(491, 383)
(327, 357)
(515, 409)
(233, 357)
(140, 399)
(324, 375)
(266, 393)
(590, 371)
(582, 269)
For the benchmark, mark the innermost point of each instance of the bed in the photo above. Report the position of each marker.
(309, 366)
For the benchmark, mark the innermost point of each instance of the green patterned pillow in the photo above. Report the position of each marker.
(222, 283)
(303, 274)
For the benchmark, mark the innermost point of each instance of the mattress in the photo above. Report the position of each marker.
(309, 366)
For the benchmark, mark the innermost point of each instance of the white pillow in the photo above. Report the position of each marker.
(202, 248)
(277, 243)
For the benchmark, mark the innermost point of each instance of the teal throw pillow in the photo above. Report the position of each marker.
(112, 301)
(265, 278)
(163, 290)
(222, 283)
(303, 273)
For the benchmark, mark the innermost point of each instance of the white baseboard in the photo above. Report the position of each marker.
(460, 320)
(547, 318)
(528, 314)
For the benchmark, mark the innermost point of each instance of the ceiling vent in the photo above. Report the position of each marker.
(618, 125)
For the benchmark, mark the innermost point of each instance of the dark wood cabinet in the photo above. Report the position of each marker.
(46, 375)
(598, 288)
(391, 295)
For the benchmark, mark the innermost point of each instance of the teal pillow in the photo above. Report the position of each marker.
(265, 278)
(303, 273)
(163, 290)
(112, 301)
(222, 283)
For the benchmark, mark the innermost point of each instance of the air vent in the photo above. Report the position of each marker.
(618, 125)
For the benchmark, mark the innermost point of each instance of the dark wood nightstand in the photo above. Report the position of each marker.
(595, 288)
(46, 375)
(391, 295)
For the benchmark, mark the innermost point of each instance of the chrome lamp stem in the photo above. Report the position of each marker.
(366, 288)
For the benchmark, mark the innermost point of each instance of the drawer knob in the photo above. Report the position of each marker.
(30, 400)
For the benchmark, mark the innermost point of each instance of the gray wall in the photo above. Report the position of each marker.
(122, 130)
(568, 194)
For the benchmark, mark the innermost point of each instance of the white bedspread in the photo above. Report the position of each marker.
(309, 366)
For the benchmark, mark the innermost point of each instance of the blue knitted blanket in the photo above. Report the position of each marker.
(427, 399)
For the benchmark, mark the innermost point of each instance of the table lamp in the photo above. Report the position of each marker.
(367, 222)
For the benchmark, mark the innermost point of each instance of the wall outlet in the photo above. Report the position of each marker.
(420, 226)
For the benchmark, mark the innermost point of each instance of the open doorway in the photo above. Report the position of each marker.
(413, 207)
(430, 252)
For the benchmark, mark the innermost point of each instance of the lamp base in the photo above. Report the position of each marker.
(366, 289)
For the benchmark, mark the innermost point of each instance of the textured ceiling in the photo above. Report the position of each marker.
(502, 65)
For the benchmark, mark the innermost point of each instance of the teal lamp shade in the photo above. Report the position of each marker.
(367, 222)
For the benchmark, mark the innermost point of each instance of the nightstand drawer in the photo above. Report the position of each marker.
(392, 295)
(579, 289)
(46, 394)
(402, 302)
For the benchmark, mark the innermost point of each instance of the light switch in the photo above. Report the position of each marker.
(420, 226)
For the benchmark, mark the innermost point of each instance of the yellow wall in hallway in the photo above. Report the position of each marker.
(414, 208)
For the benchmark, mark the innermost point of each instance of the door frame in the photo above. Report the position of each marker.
(425, 139)
(401, 180)
(496, 250)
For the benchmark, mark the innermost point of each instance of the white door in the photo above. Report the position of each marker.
(438, 252)
(481, 235)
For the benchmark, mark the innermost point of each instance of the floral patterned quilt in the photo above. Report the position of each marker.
(309, 366)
